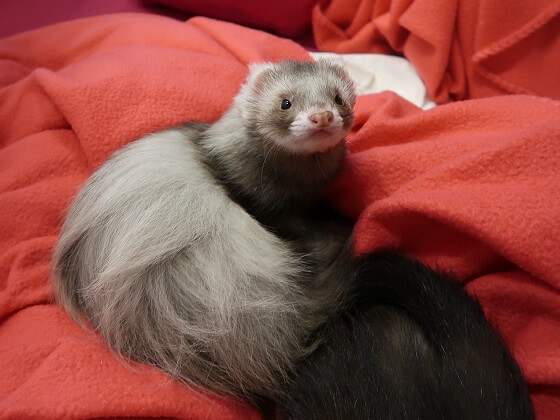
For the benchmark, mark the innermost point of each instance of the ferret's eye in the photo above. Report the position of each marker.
(338, 100)
(286, 104)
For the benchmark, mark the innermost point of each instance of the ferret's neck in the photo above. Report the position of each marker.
(263, 178)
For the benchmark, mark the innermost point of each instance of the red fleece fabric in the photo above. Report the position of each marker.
(461, 48)
(289, 18)
(471, 186)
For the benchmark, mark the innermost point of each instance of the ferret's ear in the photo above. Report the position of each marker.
(331, 59)
(335, 62)
(257, 72)
(254, 80)
(258, 68)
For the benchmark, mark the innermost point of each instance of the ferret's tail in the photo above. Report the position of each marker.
(412, 344)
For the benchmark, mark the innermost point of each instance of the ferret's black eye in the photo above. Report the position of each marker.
(286, 104)
(338, 100)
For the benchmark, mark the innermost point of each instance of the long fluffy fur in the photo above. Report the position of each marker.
(193, 250)
(184, 252)
(411, 345)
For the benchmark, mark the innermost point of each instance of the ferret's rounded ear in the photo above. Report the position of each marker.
(337, 65)
(257, 72)
(253, 82)
(336, 62)
(332, 59)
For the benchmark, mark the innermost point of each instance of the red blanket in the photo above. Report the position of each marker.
(461, 48)
(471, 186)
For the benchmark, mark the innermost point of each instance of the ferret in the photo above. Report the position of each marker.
(190, 249)
(200, 250)
(411, 344)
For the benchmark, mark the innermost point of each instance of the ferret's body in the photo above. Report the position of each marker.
(188, 249)
(193, 250)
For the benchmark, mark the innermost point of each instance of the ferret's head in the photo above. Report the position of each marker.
(302, 107)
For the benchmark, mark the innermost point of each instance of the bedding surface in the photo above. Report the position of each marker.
(289, 18)
(472, 187)
(461, 48)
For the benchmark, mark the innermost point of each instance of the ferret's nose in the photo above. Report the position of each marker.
(321, 119)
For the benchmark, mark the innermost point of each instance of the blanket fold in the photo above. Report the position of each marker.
(470, 186)
(461, 48)
(473, 188)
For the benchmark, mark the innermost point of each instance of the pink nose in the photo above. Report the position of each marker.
(321, 119)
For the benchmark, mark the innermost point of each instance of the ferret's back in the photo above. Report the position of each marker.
(174, 273)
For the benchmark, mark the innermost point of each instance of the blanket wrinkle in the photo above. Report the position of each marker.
(23, 110)
(461, 48)
(471, 187)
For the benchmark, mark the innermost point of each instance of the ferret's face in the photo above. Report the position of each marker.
(302, 107)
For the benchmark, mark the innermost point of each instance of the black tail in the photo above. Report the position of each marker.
(411, 345)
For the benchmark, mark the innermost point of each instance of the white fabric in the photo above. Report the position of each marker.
(378, 72)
